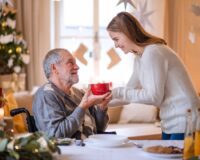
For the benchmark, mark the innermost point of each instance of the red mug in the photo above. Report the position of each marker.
(100, 88)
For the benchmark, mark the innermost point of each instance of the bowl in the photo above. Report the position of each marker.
(100, 88)
(107, 140)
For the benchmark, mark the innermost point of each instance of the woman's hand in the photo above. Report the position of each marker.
(89, 99)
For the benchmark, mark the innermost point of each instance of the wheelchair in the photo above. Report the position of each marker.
(29, 118)
(31, 121)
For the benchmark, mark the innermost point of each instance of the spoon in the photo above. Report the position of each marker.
(138, 145)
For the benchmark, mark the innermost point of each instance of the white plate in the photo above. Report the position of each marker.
(165, 155)
(162, 155)
(106, 140)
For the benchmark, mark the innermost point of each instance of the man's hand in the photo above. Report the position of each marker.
(89, 99)
(104, 105)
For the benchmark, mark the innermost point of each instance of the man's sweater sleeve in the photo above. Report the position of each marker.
(51, 118)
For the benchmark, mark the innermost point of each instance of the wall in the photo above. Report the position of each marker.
(192, 50)
(179, 23)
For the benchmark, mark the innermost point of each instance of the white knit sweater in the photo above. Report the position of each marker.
(160, 79)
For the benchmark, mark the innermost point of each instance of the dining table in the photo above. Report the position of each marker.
(132, 150)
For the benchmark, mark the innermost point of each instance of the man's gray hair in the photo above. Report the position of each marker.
(52, 57)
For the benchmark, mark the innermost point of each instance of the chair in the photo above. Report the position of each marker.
(31, 121)
(29, 118)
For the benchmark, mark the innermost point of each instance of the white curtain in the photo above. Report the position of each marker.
(33, 19)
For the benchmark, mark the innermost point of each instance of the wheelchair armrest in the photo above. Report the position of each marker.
(29, 118)
(17, 111)
(111, 132)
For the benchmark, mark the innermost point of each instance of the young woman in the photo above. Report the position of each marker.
(159, 76)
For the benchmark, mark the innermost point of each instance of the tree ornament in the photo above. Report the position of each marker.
(25, 58)
(79, 53)
(114, 58)
(125, 3)
(192, 37)
(142, 14)
(3, 24)
(10, 62)
(196, 9)
(18, 49)
(11, 23)
(17, 69)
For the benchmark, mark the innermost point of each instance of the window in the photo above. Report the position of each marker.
(85, 21)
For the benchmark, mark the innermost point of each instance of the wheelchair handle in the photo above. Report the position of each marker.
(29, 119)
(16, 111)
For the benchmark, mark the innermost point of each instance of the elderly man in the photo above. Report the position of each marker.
(61, 110)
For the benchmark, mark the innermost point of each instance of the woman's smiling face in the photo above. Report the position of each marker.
(123, 42)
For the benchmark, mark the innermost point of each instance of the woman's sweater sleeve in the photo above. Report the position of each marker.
(152, 75)
(133, 82)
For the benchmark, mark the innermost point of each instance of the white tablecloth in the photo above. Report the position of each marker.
(126, 152)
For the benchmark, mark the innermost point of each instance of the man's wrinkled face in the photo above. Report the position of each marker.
(67, 69)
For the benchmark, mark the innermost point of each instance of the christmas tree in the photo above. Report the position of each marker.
(13, 48)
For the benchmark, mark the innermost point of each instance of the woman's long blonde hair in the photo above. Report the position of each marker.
(126, 23)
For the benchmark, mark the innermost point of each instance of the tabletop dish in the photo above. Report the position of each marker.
(164, 151)
(105, 140)
(160, 155)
